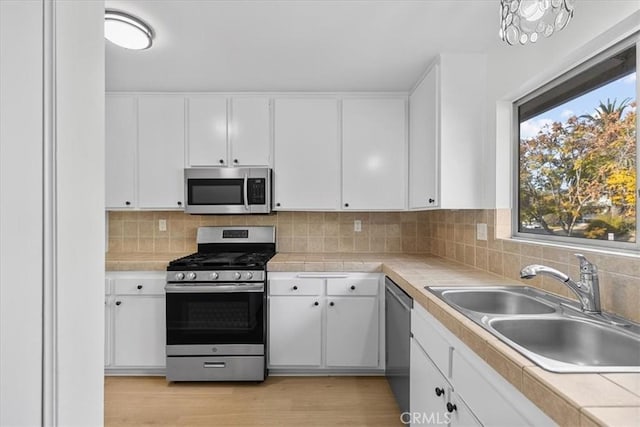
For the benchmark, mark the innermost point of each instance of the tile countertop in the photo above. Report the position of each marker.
(569, 399)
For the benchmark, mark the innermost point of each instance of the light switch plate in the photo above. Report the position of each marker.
(357, 226)
(481, 231)
(162, 225)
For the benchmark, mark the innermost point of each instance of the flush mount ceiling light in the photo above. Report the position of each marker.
(127, 31)
(523, 21)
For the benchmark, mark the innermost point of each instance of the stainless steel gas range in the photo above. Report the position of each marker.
(216, 306)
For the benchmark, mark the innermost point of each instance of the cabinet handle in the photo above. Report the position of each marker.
(118, 302)
(139, 286)
(235, 161)
(316, 303)
(451, 407)
(353, 287)
(332, 304)
(439, 391)
(221, 161)
(431, 200)
(295, 288)
(179, 203)
(346, 205)
(128, 203)
(278, 204)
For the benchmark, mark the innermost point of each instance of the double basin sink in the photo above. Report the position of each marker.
(550, 331)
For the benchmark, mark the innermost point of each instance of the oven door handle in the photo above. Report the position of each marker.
(213, 289)
(246, 189)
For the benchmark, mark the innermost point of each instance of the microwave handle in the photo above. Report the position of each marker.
(245, 189)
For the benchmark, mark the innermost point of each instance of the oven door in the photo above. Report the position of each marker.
(220, 319)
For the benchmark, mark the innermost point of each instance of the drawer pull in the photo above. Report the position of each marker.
(332, 303)
(451, 407)
(215, 364)
(439, 391)
(295, 288)
(353, 287)
(139, 286)
(316, 303)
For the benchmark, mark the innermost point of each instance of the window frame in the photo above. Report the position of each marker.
(634, 247)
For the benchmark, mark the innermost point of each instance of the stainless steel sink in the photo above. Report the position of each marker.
(498, 301)
(549, 330)
(564, 342)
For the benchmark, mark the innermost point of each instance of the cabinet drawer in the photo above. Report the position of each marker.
(436, 346)
(138, 286)
(295, 286)
(349, 286)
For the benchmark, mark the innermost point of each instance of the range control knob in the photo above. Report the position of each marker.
(191, 275)
(179, 276)
(249, 275)
(214, 276)
(237, 275)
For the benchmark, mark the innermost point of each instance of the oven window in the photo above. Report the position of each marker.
(215, 191)
(218, 318)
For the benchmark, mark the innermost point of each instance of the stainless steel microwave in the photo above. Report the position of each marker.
(227, 190)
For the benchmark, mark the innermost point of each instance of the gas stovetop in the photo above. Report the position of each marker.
(222, 261)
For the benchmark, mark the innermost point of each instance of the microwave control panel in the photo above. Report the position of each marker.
(256, 191)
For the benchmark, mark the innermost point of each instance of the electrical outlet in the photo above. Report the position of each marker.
(481, 231)
(357, 225)
(162, 225)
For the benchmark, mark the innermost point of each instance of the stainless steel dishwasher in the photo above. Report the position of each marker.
(398, 307)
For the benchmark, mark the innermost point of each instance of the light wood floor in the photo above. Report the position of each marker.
(279, 401)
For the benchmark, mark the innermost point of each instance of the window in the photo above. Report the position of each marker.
(577, 156)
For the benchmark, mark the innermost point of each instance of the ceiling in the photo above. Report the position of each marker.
(296, 45)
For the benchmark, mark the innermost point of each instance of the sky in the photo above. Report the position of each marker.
(619, 90)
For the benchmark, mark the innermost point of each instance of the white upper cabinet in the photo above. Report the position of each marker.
(250, 132)
(307, 154)
(207, 130)
(228, 132)
(374, 150)
(121, 137)
(423, 138)
(160, 151)
(448, 139)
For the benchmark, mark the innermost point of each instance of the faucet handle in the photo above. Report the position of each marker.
(585, 265)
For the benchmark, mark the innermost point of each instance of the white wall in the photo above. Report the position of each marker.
(514, 71)
(21, 178)
(80, 211)
(51, 212)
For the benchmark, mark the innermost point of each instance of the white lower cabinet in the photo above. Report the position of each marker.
(448, 380)
(325, 322)
(135, 323)
(295, 324)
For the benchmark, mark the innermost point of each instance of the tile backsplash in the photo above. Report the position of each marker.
(447, 233)
(382, 232)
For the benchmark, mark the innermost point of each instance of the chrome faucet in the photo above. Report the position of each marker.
(587, 289)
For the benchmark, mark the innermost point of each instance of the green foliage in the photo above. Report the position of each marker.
(585, 167)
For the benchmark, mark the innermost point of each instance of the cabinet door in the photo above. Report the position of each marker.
(374, 154)
(161, 151)
(462, 416)
(295, 331)
(423, 142)
(207, 130)
(306, 154)
(428, 389)
(139, 331)
(120, 140)
(250, 132)
(352, 331)
(107, 330)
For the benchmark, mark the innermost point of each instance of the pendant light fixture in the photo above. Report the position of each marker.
(127, 31)
(523, 21)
